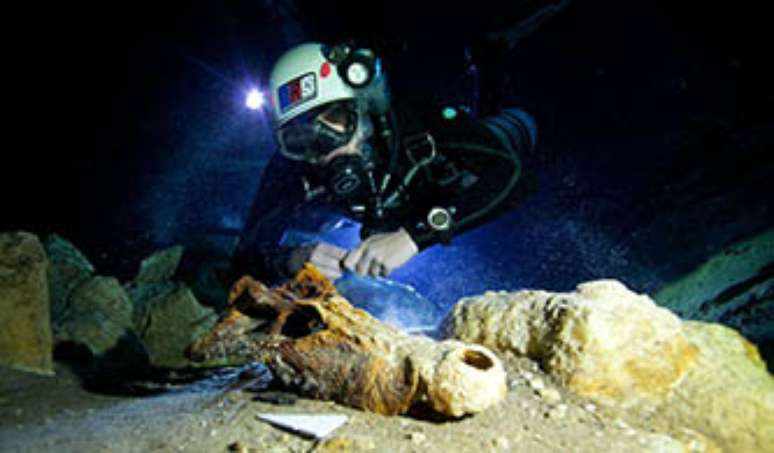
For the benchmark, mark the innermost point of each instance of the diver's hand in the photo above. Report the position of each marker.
(325, 257)
(381, 254)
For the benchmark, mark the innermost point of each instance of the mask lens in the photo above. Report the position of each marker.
(318, 132)
(339, 117)
(297, 142)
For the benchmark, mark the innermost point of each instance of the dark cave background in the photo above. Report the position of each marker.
(656, 127)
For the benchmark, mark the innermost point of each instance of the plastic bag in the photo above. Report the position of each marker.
(389, 301)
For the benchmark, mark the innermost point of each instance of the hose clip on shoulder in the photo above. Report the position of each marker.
(421, 151)
(440, 220)
(310, 193)
(420, 148)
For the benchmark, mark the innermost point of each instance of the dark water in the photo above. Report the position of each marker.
(653, 119)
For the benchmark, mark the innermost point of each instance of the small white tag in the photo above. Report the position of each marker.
(318, 426)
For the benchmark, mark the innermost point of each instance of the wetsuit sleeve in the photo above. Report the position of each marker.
(486, 180)
(277, 203)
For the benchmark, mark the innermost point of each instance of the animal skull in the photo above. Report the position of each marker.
(317, 343)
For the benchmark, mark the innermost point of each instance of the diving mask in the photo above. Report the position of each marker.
(315, 134)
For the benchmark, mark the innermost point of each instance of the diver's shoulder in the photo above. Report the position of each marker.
(420, 115)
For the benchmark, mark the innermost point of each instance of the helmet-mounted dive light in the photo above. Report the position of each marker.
(356, 67)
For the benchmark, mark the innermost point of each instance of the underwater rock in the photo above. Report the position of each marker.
(167, 316)
(315, 342)
(734, 287)
(170, 323)
(161, 266)
(593, 340)
(68, 268)
(25, 328)
(693, 441)
(618, 348)
(153, 284)
(144, 297)
(728, 394)
(99, 316)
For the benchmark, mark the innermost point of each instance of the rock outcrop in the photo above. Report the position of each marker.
(99, 317)
(169, 323)
(167, 316)
(150, 320)
(602, 341)
(91, 314)
(727, 395)
(160, 267)
(619, 348)
(68, 269)
(314, 341)
(25, 328)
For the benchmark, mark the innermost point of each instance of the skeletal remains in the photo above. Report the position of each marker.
(318, 344)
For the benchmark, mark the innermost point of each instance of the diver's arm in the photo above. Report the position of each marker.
(273, 264)
(277, 200)
(486, 153)
(280, 204)
(381, 253)
(258, 253)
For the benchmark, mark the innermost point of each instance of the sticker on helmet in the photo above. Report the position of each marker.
(297, 91)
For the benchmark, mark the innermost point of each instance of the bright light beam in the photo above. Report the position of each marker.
(255, 99)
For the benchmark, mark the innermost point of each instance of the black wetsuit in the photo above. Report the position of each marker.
(475, 175)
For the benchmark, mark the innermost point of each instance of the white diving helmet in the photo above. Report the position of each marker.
(319, 96)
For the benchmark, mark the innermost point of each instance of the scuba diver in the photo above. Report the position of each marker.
(413, 177)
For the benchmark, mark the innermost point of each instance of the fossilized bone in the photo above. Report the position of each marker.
(318, 344)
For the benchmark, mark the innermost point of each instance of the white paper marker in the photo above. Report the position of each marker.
(317, 426)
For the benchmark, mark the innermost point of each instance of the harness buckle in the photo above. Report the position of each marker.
(420, 148)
